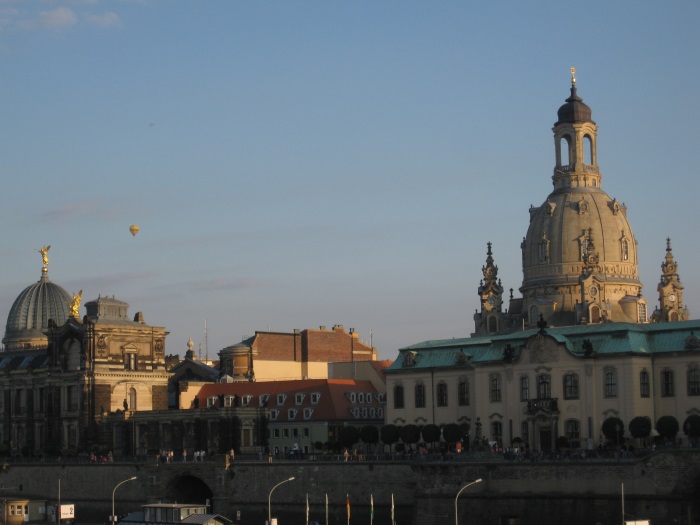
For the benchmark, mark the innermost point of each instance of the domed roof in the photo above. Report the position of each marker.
(574, 110)
(31, 311)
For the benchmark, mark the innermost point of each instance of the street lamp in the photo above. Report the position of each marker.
(113, 517)
(269, 500)
(457, 497)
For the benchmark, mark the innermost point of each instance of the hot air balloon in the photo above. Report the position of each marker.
(134, 229)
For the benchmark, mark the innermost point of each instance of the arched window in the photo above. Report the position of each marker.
(497, 432)
(573, 431)
(398, 396)
(587, 150)
(667, 383)
(610, 383)
(565, 152)
(463, 392)
(524, 388)
(493, 324)
(673, 316)
(442, 394)
(534, 314)
(132, 399)
(625, 248)
(571, 386)
(420, 396)
(544, 390)
(595, 313)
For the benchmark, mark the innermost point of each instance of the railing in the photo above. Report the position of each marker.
(542, 405)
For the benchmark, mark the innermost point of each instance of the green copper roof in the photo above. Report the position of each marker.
(605, 339)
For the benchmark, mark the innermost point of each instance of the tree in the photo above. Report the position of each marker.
(349, 435)
(389, 434)
(430, 433)
(369, 434)
(691, 427)
(410, 434)
(667, 427)
(452, 433)
(640, 427)
(614, 430)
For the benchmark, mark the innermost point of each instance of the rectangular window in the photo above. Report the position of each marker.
(495, 389)
(667, 386)
(420, 396)
(463, 394)
(524, 388)
(694, 382)
(644, 383)
(306, 432)
(610, 384)
(285, 432)
(570, 386)
(398, 396)
(525, 431)
(275, 432)
(442, 395)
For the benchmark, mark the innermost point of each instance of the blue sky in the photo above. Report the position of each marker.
(296, 164)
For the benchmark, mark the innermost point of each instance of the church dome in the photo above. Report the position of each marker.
(31, 311)
(579, 254)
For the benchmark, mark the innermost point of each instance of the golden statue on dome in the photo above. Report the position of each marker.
(75, 307)
(44, 257)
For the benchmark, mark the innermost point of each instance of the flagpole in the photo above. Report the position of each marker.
(392, 508)
(348, 504)
(326, 509)
(371, 514)
(307, 508)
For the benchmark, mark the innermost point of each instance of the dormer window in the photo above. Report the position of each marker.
(292, 413)
(299, 398)
(245, 400)
(274, 414)
(315, 397)
(281, 398)
(352, 397)
(308, 412)
(228, 401)
(409, 359)
(211, 401)
(263, 400)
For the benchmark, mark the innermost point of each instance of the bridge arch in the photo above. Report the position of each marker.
(188, 489)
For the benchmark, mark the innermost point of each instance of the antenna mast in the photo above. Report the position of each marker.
(206, 340)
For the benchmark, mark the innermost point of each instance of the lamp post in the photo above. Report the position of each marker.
(269, 500)
(457, 497)
(113, 517)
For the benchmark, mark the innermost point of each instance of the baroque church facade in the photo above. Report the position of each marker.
(580, 345)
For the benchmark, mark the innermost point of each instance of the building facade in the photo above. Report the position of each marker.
(57, 387)
(580, 345)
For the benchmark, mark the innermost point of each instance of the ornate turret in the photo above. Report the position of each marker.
(489, 320)
(670, 291)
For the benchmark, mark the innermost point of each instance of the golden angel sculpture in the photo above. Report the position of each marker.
(75, 307)
(44, 255)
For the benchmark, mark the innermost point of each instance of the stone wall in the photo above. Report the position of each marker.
(664, 487)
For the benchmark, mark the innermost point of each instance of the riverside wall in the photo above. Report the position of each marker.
(663, 487)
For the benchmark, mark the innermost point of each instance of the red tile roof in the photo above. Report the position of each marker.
(339, 399)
